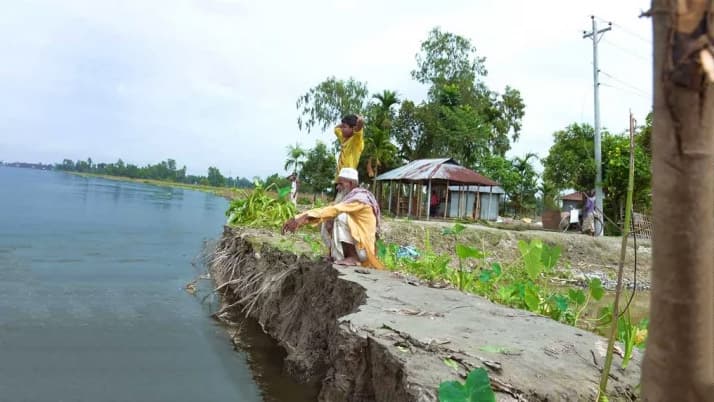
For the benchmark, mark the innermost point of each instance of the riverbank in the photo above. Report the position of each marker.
(367, 335)
(225, 192)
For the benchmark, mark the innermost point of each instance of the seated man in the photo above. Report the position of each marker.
(350, 225)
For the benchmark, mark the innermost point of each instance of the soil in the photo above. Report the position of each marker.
(367, 335)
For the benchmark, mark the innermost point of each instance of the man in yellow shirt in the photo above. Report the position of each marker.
(350, 134)
(350, 226)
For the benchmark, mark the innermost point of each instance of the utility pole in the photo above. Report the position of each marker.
(595, 35)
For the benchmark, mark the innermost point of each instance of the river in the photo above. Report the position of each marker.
(92, 298)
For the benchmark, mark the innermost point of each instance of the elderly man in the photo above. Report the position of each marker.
(349, 226)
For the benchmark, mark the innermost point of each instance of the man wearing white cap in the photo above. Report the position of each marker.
(350, 226)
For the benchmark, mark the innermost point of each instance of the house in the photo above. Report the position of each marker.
(461, 192)
(572, 201)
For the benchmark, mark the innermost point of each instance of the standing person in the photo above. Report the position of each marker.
(293, 188)
(433, 203)
(589, 212)
(350, 226)
(350, 134)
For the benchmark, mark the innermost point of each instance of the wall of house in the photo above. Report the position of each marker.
(489, 205)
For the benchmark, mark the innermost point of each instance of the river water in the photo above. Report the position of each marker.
(92, 299)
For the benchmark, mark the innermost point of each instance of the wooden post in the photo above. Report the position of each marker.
(446, 200)
(428, 201)
(389, 207)
(679, 359)
(411, 190)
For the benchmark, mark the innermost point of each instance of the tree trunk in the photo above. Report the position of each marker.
(679, 360)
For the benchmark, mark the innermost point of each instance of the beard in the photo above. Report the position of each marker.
(341, 194)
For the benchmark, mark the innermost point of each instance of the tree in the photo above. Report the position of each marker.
(379, 149)
(517, 177)
(319, 169)
(215, 178)
(296, 156)
(462, 117)
(616, 168)
(327, 102)
(410, 132)
(679, 363)
(570, 162)
(527, 184)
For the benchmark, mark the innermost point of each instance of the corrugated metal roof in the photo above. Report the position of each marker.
(436, 169)
(478, 189)
(576, 196)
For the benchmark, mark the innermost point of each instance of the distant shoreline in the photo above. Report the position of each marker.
(225, 192)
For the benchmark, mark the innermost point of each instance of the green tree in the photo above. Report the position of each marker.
(379, 150)
(462, 117)
(296, 158)
(523, 198)
(318, 171)
(616, 157)
(570, 164)
(517, 177)
(326, 103)
(413, 141)
(215, 178)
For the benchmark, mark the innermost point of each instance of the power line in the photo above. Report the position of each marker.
(625, 83)
(630, 91)
(628, 52)
(627, 31)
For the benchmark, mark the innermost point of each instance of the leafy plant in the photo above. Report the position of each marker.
(630, 334)
(258, 209)
(477, 388)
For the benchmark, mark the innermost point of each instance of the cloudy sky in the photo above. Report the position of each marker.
(214, 82)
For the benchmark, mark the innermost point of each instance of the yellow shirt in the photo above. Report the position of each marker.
(351, 149)
(362, 224)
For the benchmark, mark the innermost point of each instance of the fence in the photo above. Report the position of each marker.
(643, 225)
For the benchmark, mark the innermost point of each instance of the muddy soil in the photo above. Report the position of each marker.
(367, 335)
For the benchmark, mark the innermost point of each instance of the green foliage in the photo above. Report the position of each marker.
(215, 178)
(296, 158)
(632, 335)
(325, 104)
(517, 177)
(477, 388)
(462, 117)
(259, 209)
(570, 164)
(318, 171)
(163, 171)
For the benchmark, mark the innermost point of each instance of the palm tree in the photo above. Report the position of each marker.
(296, 158)
(527, 175)
(379, 149)
(384, 113)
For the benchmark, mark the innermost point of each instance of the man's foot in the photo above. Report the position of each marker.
(349, 261)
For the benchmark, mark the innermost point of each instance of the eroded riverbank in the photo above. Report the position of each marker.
(366, 335)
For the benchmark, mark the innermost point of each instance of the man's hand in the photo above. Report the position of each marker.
(360, 123)
(293, 224)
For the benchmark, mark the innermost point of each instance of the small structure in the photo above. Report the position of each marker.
(481, 202)
(572, 201)
(460, 192)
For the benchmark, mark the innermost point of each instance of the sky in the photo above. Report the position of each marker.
(214, 82)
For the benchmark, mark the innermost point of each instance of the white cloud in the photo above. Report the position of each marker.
(214, 82)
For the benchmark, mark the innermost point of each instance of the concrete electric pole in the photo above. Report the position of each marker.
(596, 35)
